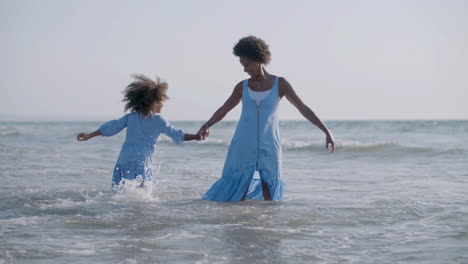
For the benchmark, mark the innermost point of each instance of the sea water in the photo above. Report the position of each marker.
(393, 192)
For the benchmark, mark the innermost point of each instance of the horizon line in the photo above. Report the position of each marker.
(37, 120)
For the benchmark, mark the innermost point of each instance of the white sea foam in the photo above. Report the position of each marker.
(79, 252)
(8, 131)
(20, 221)
(128, 261)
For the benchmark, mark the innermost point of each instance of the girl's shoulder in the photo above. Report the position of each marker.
(161, 119)
(139, 115)
(157, 119)
(133, 115)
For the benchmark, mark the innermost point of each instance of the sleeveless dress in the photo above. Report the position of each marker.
(135, 159)
(256, 146)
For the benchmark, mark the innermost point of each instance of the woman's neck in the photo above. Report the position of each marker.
(262, 75)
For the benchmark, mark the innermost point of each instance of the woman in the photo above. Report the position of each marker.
(256, 144)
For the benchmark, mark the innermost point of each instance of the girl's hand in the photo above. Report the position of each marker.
(82, 137)
(330, 142)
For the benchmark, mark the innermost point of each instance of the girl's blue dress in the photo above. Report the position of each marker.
(135, 159)
(256, 146)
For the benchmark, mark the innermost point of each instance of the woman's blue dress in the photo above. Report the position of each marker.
(135, 159)
(256, 146)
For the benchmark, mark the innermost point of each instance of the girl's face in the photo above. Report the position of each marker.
(251, 67)
(158, 107)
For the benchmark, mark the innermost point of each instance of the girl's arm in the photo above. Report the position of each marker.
(84, 136)
(189, 137)
(113, 127)
(230, 103)
(108, 129)
(287, 91)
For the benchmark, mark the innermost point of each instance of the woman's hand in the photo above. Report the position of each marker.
(330, 142)
(82, 137)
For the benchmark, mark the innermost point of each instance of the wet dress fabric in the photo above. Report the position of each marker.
(255, 147)
(135, 159)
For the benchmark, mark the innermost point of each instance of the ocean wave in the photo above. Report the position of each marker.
(20, 221)
(383, 146)
(207, 142)
(301, 145)
(32, 198)
(215, 142)
(346, 146)
(354, 146)
(9, 132)
(70, 202)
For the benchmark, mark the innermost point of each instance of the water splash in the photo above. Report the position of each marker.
(134, 191)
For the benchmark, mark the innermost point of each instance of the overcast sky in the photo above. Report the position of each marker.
(395, 59)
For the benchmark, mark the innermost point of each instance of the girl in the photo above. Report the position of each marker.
(144, 98)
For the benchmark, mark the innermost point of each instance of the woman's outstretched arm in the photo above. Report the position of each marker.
(230, 103)
(287, 91)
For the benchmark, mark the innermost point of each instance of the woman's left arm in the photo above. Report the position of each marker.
(287, 91)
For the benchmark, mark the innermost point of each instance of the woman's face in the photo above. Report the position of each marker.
(251, 67)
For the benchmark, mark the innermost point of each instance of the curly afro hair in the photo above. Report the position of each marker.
(142, 94)
(253, 48)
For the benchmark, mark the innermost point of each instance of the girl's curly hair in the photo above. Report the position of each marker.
(253, 48)
(142, 94)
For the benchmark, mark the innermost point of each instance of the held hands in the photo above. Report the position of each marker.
(199, 137)
(204, 132)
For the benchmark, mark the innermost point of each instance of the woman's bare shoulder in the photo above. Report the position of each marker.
(283, 81)
(284, 86)
(238, 87)
(239, 84)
